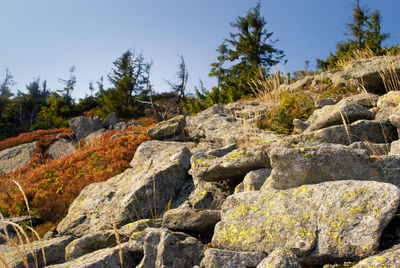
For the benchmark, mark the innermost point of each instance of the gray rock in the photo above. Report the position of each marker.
(95, 135)
(125, 134)
(7, 225)
(60, 148)
(167, 129)
(376, 149)
(186, 219)
(83, 126)
(89, 243)
(233, 165)
(16, 157)
(323, 102)
(109, 257)
(121, 126)
(165, 249)
(387, 258)
(310, 163)
(372, 131)
(53, 249)
(111, 120)
(332, 221)
(395, 148)
(215, 258)
(387, 105)
(280, 257)
(332, 115)
(254, 180)
(140, 192)
(368, 100)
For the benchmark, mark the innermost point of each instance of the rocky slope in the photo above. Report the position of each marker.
(212, 191)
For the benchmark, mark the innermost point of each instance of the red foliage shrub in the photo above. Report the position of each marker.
(52, 186)
(31, 136)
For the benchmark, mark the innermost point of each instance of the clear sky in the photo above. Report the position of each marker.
(46, 37)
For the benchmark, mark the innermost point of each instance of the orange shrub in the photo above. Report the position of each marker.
(52, 186)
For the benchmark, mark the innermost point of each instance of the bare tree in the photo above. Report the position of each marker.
(180, 86)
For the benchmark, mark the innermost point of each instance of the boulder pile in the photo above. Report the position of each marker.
(211, 190)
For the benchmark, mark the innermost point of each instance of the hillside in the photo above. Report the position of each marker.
(306, 175)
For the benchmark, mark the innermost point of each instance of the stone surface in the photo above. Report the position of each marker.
(387, 104)
(217, 258)
(368, 100)
(323, 102)
(95, 135)
(279, 258)
(111, 120)
(388, 258)
(16, 157)
(186, 219)
(140, 192)
(54, 251)
(60, 149)
(167, 129)
(395, 148)
(372, 131)
(109, 257)
(83, 126)
(233, 165)
(163, 248)
(332, 221)
(121, 126)
(7, 225)
(253, 180)
(371, 148)
(311, 163)
(332, 115)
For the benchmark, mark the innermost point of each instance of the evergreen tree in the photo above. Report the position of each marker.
(69, 86)
(248, 50)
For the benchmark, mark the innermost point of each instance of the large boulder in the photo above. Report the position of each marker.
(372, 131)
(54, 251)
(190, 220)
(368, 100)
(280, 257)
(311, 163)
(109, 257)
(388, 258)
(233, 165)
(16, 157)
(83, 126)
(60, 148)
(163, 248)
(331, 115)
(111, 120)
(254, 180)
(140, 192)
(224, 258)
(167, 129)
(331, 221)
(387, 104)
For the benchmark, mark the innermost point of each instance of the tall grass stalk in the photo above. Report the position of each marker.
(389, 74)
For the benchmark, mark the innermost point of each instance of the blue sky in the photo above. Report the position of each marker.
(46, 37)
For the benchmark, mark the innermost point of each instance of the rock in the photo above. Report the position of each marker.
(165, 249)
(190, 220)
(53, 250)
(60, 148)
(111, 120)
(225, 258)
(394, 118)
(395, 148)
(233, 165)
(83, 126)
(323, 102)
(332, 115)
(125, 134)
(121, 126)
(167, 129)
(211, 195)
(140, 192)
(294, 166)
(388, 258)
(299, 126)
(16, 157)
(7, 225)
(387, 104)
(49, 235)
(140, 225)
(368, 100)
(89, 243)
(332, 221)
(372, 131)
(95, 135)
(253, 180)
(376, 149)
(280, 257)
(109, 257)
(132, 122)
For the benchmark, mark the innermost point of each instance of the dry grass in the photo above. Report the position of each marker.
(355, 55)
(389, 74)
(266, 89)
